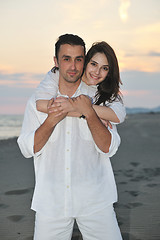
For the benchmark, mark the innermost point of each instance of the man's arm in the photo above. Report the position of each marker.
(43, 133)
(34, 135)
(100, 134)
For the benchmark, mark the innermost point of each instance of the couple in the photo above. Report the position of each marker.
(70, 144)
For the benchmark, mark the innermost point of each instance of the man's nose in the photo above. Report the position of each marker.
(73, 65)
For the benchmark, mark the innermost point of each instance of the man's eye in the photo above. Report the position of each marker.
(79, 59)
(66, 59)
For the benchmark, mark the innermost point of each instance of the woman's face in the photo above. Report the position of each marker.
(97, 69)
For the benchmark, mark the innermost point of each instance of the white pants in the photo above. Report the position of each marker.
(98, 226)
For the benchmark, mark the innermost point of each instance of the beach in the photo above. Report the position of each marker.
(136, 167)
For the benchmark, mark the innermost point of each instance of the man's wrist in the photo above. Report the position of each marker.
(82, 116)
(90, 113)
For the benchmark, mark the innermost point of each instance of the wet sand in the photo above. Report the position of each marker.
(137, 171)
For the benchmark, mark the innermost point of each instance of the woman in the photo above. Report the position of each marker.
(101, 73)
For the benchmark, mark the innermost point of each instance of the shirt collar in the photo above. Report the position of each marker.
(78, 92)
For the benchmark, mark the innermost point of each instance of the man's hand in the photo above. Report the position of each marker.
(61, 105)
(82, 104)
(55, 112)
(43, 133)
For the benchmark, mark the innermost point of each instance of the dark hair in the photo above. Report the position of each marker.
(68, 39)
(108, 89)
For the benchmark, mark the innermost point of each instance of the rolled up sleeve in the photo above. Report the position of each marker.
(48, 88)
(26, 144)
(115, 142)
(119, 110)
(29, 126)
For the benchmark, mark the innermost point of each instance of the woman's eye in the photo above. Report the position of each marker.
(106, 68)
(93, 64)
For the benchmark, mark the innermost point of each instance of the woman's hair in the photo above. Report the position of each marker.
(108, 89)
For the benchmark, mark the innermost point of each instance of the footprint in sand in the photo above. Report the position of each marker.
(139, 178)
(15, 218)
(133, 205)
(134, 164)
(152, 185)
(123, 183)
(3, 206)
(133, 193)
(152, 172)
(28, 238)
(129, 173)
(18, 192)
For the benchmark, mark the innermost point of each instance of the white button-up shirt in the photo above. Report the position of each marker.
(73, 176)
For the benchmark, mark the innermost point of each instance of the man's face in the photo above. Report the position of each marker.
(70, 62)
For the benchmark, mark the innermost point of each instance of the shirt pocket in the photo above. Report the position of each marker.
(84, 130)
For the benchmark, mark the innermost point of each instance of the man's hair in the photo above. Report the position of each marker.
(68, 39)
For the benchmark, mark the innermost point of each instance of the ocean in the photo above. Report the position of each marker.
(10, 126)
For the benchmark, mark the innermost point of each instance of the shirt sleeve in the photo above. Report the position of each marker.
(29, 126)
(48, 88)
(119, 109)
(115, 142)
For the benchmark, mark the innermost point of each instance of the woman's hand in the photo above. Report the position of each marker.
(61, 104)
(106, 123)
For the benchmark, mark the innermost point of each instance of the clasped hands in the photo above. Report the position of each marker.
(61, 105)
(75, 107)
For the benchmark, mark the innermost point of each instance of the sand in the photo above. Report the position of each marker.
(137, 171)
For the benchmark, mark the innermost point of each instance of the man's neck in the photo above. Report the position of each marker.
(67, 88)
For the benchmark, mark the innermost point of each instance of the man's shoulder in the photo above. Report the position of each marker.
(88, 90)
(32, 101)
(53, 75)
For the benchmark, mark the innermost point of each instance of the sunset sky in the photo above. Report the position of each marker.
(29, 30)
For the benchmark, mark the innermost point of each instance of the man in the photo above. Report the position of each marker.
(74, 178)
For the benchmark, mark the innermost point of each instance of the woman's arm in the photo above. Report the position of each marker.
(46, 90)
(115, 112)
(42, 105)
(106, 113)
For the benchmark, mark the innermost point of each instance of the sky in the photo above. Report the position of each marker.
(29, 30)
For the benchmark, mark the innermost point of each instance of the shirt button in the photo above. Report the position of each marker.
(67, 150)
(67, 168)
(67, 186)
(68, 132)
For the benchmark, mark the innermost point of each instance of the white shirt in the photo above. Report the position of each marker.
(73, 176)
(48, 89)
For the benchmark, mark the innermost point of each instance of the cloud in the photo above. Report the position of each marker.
(20, 80)
(123, 9)
(150, 54)
(154, 54)
(135, 93)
